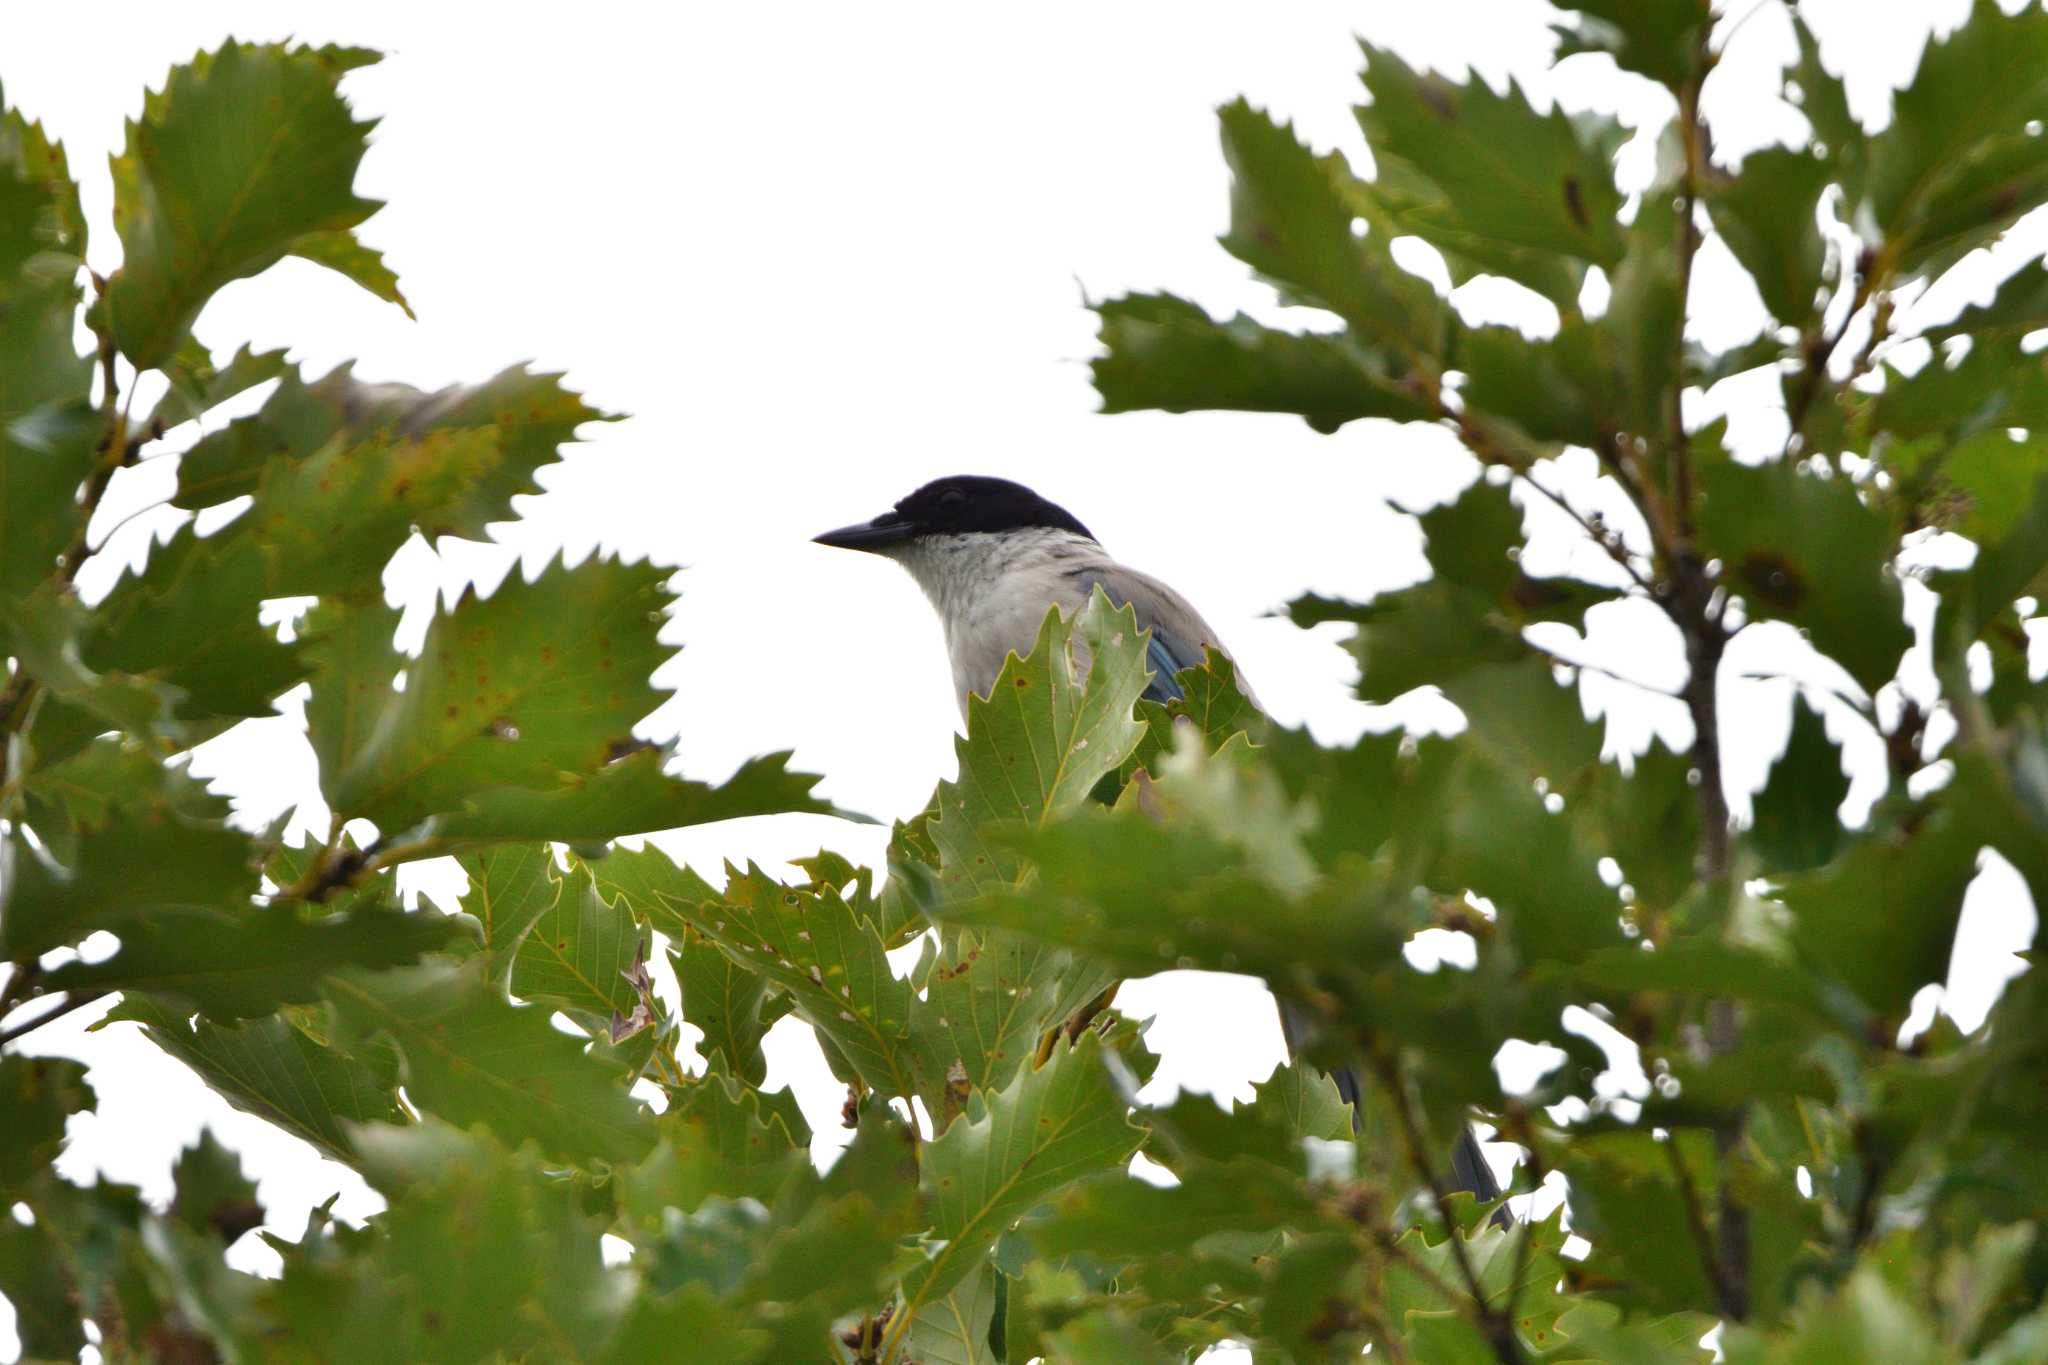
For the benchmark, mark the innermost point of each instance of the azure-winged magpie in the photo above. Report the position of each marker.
(992, 556)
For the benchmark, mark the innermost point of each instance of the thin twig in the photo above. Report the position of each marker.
(1605, 538)
(74, 1002)
(1604, 672)
(1499, 1331)
(1696, 1220)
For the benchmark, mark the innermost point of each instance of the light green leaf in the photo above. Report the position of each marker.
(510, 887)
(1167, 354)
(471, 1056)
(1053, 1125)
(716, 1138)
(197, 386)
(1665, 41)
(579, 953)
(954, 1330)
(245, 151)
(273, 1070)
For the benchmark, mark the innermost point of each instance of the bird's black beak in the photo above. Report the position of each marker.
(876, 537)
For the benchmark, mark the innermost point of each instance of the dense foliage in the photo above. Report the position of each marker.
(1795, 1172)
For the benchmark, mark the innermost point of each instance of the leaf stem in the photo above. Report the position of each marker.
(73, 1002)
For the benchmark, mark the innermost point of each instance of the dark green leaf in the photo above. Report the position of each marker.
(1767, 212)
(715, 1139)
(273, 1070)
(37, 1283)
(510, 887)
(1806, 549)
(37, 1095)
(472, 1057)
(196, 386)
(2020, 306)
(214, 1197)
(1167, 354)
(1664, 41)
(1505, 172)
(1796, 824)
(244, 152)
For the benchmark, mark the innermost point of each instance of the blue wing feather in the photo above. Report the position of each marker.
(1164, 664)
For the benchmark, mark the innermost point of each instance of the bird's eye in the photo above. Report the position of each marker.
(952, 500)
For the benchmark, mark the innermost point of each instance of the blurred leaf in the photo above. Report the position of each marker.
(241, 964)
(525, 689)
(1558, 391)
(1805, 549)
(1649, 823)
(2020, 306)
(268, 1068)
(43, 629)
(1505, 172)
(37, 1095)
(1629, 1199)
(1975, 1279)
(1882, 917)
(37, 1283)
(340, 252)
(1053, 1124)
(205, 193)
(214, 1196)
(1865, 1319)
(1820, 95)
(1958, 164)
(1796, 825)
(1291, 222)
(472, 1057)
(1767, 211)
(715, 1139)
(1106, 1338)
(197, 386)
(44, 457)
(1646, 315)
(1122, 1217)
(124, 841)
(1165, 353)
(716, 1331)
(954, 1330)
(1663, 41)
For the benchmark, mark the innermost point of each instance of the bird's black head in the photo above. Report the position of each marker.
(959, 505)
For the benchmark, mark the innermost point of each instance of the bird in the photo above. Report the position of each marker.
(993, 556)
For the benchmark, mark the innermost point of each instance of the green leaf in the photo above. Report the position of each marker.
(127, 843)
(527, 688)
(1882, 918)
(1646, 314)
(196, 386)
(245, 151)
(1106, 1337)
(271, 1069)
(1167, 354)
(213, 1195)
(44, 458)
(1958, 164)
(581, 953)
(1054, 724)
(1626, 1187)
(473, 1057)
(38, 1285)
(1122, 1217)
(1291, 219)
(43, 629)
(1559, 391)
(1806, 549)
(2020, 306)
(1865, 1319)
(1767, 213)
(717, 1138)
(1504, 172)
(1665, 41)
(955, 1330)
(511, 886)
(37, 1095)
(1796, 825)
(340, 252)
(233, 966)
(1820, 95)
(523, 417)
(189, 621)
(1051, 1126)
(1648, 822)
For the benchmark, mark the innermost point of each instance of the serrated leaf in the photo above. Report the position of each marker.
(716, 1138)
(213, 1195)
(579, 953)
(271, 1069)
(1167, 354)
(1051, 1126)
(1557, 391)
(471, 1056)
(342, 253)
(124, 842)
(37, 1095)
(44, 457)
(245, 151)
(1882, 918)
(43, 629)
(955, 1330)
(1626, 1186)
(1291, 219)
(510, 887)
(1805, 549)
(1665, 41)
(1796, 825)
(189, 621)
(1053, 725)
(197, 386)
(1766, 211)
(1121, 1217)
(1958, 163)
(1505, 172)
(238, 965)
(529, 688)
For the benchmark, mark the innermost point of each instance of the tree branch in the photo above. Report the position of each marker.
(50, 1016)
(1703, 1238)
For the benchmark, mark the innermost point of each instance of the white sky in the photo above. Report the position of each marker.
(823, 253)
